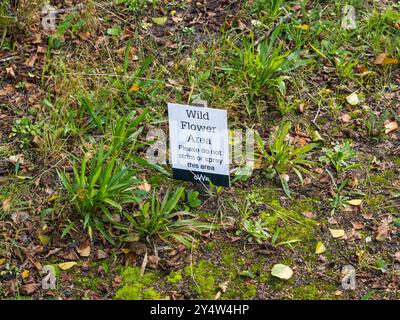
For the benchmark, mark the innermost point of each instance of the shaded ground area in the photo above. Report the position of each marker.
(58, 89)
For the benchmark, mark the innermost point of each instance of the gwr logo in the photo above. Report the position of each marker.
(200, 177)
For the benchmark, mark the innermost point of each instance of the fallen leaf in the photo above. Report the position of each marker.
(379, 59)
(345, 118)
(397, 256)
(391, 126)
(10, 72)
(135, 88)
(152, 262)
(84, 251)
(355, 202)
(101, 254)
(357, 225)
(7, 90)
(36, 39)
(320, 248)
(25, 274)
(29, 288)
(387, 61)
(282, 271)
(337, 233)
(160, 20)
(247, 274)
(44, 240)
(383, 60)
(353, 99)
(67, 265)
(309, 214)
(302, 26)
(19, 158)
(30, 62)
(6, 204)
(2, 261)
(383, 232)
(145, 186)
(85, 36)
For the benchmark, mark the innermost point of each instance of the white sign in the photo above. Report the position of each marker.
(199, 149)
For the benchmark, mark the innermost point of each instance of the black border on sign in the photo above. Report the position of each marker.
(189, 175)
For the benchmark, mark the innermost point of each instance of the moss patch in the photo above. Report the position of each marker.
(175, 277)
(207, 277)
(137, 287)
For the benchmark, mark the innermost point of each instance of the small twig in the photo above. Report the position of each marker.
(316, 116)
(144, 264)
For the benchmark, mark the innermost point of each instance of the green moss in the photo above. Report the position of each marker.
(207, 277)
(292, 224)
(175, 277)
(375, 201)
(396, 160)
(138, 287)
(88, 282)
(314, 291)
(382, 180)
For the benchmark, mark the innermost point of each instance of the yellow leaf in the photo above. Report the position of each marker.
(2, 261)
(135, 88)
(320, 248)
(390, 61)
(302, 26)
(355, 202)
(53, 197)
(66, 265)
(383, 60)
(160, 20)
(337, 233)
(125, 250)
(25, 274)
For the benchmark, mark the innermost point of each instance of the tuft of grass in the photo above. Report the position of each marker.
(341, 157)
(161, 219)
(107, 187)
(281, 157)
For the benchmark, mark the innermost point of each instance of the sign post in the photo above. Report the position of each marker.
(199, 149)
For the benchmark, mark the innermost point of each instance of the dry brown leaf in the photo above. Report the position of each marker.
(379, 59)
(397, 256)
(357, 225)
(152, 262)
(101, 254)
(37, 38)
(383, 60)
(6, 204)
(7, 90)
(10, 72)
(383, 232)
(345, 118)
(391, 126)
(29, 288)
(19, 217)
(309, 214)
(85, 36)
(84, 251)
